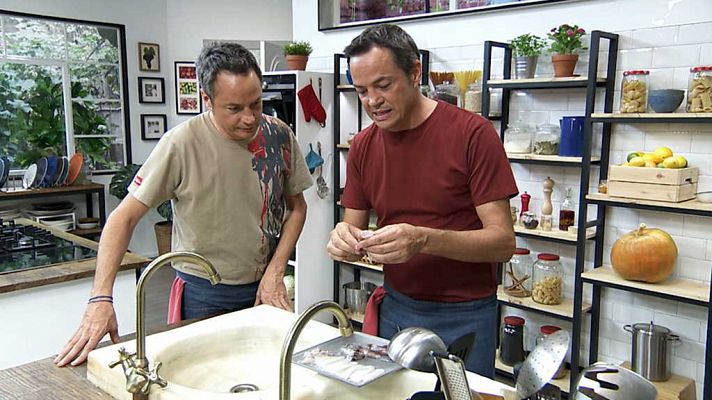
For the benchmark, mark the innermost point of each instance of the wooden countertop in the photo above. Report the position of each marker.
(63, 272)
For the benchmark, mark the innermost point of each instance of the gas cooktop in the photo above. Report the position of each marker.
(26, 246)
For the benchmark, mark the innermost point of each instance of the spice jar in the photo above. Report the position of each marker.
(518, 138)
(447, 92)
(530, 220)
(517, 274)
(473, 97)
(546, 139)
(699, 89)
(544, 331)
(547, 279)
(634, 91)
(511, 341)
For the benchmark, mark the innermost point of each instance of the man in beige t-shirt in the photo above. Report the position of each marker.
(235, 178)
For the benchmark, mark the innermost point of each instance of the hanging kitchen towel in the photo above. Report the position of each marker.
(370, 317)
(311, 105)
(175, 300)
(313, 159)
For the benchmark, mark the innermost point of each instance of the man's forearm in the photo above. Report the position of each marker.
(493, 244)
(112, 247)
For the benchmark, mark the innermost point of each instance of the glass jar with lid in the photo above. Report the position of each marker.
(547, 139)
(547, 281)
(517, 274)
(511, 340)
(473, 97)
(699, 90)
(518, 138)
(544, 331)
(634, 91)
(447, 92)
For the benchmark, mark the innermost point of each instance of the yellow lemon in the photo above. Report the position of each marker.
(660, 165)
(663, 152)
(671, 162)
(636, 162)
(652, 157)
(625, 164)
(650, 164)
(681, 161)
(634, 154)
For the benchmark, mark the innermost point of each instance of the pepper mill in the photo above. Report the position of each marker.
(547, 208)
(526, 197)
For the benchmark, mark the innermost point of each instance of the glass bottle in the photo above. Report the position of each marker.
(517, 274)
(699, 90)
(547, 139)
(634, 91)
(473, 97)
(447, 92)
(511, 341)
(544, 331)
(547, 279)
(567, 214)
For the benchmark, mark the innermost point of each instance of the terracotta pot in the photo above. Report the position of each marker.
(164, 232)
(564, 64)
(297, 62)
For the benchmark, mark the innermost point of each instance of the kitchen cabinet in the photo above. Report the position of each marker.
(573, 309)
(348, 120)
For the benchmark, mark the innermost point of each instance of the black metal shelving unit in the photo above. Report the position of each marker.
(591, 82)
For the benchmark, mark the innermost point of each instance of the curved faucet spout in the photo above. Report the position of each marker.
(285, 366)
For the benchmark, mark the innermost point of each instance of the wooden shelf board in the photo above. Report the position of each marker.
(20, 192)
(562, 383)
(661, 116)
(344, 146)
(538, 157)
(375, 267)
(682, 288)
(346, 87)
(565, 309)
(517, 82)
(675, 388)
(86, 232)
(554, 233)
(684, 205)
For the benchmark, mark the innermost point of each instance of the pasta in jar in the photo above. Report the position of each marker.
(634, 91)
(699, 92)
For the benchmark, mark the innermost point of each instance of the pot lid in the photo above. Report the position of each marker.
(651, 329)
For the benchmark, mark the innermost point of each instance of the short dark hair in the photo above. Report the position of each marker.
(217, 57)
(392, 37)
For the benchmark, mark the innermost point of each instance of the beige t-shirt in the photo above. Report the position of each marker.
(227, 196)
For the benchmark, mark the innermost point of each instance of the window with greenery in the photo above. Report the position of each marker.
(62, 91)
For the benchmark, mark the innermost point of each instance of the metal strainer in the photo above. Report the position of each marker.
(542, 363)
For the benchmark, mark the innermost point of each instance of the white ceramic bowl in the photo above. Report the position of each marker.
(705, 197)
(87, 225)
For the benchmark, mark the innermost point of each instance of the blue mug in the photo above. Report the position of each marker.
(571, 136)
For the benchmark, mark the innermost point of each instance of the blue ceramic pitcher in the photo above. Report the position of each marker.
(571, 136)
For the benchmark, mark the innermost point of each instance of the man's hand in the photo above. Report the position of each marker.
(98, 319)
(393, 244)
(272, 290)
(343, 241)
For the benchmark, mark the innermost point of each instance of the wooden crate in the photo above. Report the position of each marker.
(652, 191)
(660, 176)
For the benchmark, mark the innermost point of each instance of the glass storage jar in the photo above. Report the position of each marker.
(547, 281)
(547, 139)
(511, 341)
(518, 138)
(699, 90)
(447, 92)
(544, 331)
(517, 274)
(634, 91)
(473, 97)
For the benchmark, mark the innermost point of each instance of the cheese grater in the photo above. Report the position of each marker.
(451, 371)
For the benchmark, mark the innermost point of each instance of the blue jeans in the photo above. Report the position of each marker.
(447, 320)
(201, 299)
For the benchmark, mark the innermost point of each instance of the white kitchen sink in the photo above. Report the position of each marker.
(206, 359)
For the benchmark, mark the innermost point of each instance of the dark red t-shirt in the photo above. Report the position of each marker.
(432, 176)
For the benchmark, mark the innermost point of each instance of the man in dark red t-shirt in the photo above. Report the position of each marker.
(439, 182)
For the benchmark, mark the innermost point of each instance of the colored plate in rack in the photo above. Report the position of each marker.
(3, 166)
(6, 171)
(75, 166)
(41, 171)
(51, 171)
(60, 171)
(62, 179)
(30, 175)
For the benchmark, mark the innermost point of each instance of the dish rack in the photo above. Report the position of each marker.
(64, 222)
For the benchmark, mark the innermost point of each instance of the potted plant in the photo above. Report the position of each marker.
(297, 54)
(526, 49)
(565, 42)
(119, 188)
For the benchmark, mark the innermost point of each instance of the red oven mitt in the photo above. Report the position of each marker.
(311, 105)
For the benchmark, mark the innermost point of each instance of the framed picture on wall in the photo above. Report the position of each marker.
(153, 126)
(151, 90)
(187, 88)
(148, 57)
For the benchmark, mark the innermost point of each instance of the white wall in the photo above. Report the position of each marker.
(666, 37)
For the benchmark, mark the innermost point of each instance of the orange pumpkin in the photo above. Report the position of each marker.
(645, 254)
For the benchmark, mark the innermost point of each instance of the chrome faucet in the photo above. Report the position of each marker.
(285, 365)
(139, 377)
